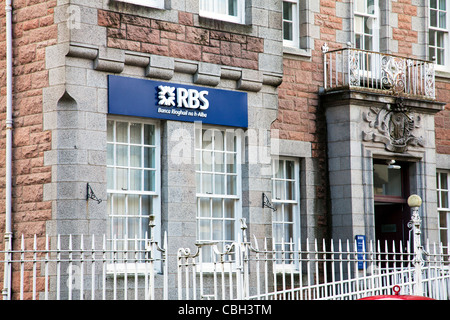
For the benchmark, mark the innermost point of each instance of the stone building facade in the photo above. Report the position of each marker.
(306, 148)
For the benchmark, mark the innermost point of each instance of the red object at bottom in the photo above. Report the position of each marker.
(396, 296)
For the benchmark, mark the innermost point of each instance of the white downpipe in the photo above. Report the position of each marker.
(9, 127)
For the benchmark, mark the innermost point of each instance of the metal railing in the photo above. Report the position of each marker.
(77, 267)
(80, 267)
(355, 68)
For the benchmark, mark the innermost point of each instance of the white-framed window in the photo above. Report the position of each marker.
(159, 4)
(291, 23)
(443, 204)
(226, 10)
(286, 218)
(218, 186)
(366, 25)
(133, 183)
(438, 33)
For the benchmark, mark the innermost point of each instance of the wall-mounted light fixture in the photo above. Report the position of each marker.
(391, 165)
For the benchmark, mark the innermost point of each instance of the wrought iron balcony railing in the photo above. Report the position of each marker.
(354, 68)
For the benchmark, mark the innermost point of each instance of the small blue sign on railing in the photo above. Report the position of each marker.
(361, 247)
(171, 101)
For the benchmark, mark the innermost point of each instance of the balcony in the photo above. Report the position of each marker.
(378, 72)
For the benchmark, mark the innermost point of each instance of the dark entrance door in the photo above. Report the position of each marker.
(391, 221)
(391, 210)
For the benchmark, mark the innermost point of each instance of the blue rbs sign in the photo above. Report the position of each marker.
(169, 101)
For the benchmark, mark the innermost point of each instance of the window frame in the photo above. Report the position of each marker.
(295, 42)
(375, 24)
(278, 202)
(212, 14)
(158, 4)
(446, 35)
(155, 233)
(201, 194)
(441, 193)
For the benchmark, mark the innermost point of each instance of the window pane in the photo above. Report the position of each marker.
(229, 207)
(443, 219)
(279, 190)
(122, 132)
(368, 26)
(358, 41)
(219, 162)
(231, 186)
(219, 184)
(432, 38)
(207, 183)
(433, 18)
(136, 156)
(119, 204)
(135, 133)
(231, 163)
(122, 179)
(232, 8)
(110, 178)
(121, 155)
(218, 140)
(207, 139)
(149, 134)
(359, 24)
(217, 208)
(135, 180)
(149, 158)
(287, 31)
(442, 20)
(444, 199)
(133, 208)
(290, 190)
(444, 184)
(290, 168)
(231, 140)
(360, 6)
(440, 59)
(368, 43)
(287, 10)
(110, 155)
(440, 39)
(433, 4)
(444, 237)
(217, 230)
(149, 180)
(204, 209)
(371, 6)
(387, 181)
(204, 230)
(110, 131)
(207, 161)
(229, 229)
(147, 205)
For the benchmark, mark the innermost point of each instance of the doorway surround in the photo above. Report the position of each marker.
(363, 126)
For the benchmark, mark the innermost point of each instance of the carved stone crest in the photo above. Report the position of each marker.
(394, 126)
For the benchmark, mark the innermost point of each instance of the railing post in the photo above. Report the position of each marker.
(325, 49)
(414, 201)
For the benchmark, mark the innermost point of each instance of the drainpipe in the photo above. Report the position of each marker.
(9, 127)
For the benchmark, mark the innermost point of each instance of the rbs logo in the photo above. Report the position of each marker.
(181, 97)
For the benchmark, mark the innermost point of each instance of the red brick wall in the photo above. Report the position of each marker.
(182, 40)
(442, 119)
(33, 31)
(404, 34)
